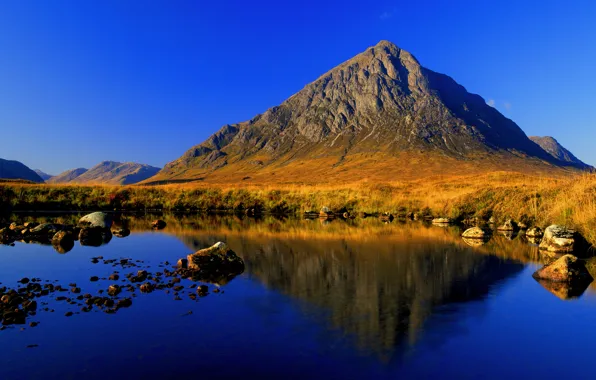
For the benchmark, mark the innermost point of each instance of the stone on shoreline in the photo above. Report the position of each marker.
(217, 257)
(535, 232)
(96, 220)
(475, 233)
(509, 225)
(442, 221)
(558, 239)
(568, 268)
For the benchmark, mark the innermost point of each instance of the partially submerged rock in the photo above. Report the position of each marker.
(326, 213)
(475, 233)
(558, 239)
(96, 220)
(386, 217)
(442, 221)
(509, 225)
(63, 241)
(94, 237)
(158, 224)
(535, 232)
(568, 268)
(217, 263)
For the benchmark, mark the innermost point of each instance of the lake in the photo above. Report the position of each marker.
(335, 300)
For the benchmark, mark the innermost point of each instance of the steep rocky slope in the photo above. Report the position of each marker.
(380, 112)
(552, 147)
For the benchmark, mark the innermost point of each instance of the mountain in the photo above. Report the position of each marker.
(380, 115)
(67, 176)
(44, 176)
(16, 170)
(552, 147)
(108, 172)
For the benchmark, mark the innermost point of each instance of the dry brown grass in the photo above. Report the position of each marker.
(539, 199)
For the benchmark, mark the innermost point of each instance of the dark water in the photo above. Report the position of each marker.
(345, 300)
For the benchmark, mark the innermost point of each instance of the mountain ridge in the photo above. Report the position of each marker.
(555, 149)
(108, 172)
(10, 169)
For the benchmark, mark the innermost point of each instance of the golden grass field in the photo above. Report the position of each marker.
(534, 199)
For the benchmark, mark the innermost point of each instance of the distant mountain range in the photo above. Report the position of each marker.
(16, 170)
(378, 116)
(107, 172)
(44, 176)
(552, 147)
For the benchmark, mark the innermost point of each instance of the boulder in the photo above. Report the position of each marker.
(94, 237)
(96, 220)
(568, 268)
(63, 241)
(326, 213)
(158, 224)
(509, 225)
(386, 217)
(475, 233)
(442, 221)
(535, 232)
(45, 229)
(217, 257)
(558, 239)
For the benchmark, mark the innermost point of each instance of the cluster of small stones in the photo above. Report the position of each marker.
(33, 296)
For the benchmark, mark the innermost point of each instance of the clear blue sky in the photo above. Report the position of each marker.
(86, 81)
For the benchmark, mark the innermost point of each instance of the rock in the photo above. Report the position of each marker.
(202, 289)
(126, 302)
(114, 290)
(558, 239)
(215, 258)
(96, 220)
(94, 236)
(121, 232)
(566, 269)
(535, 232)
(386, 217)
(522, 226)
(492, 220)
(63, 241)
(509, 225)
(94, 278)
(442, 221)
(158, 224)
(114, 277)
(147, 287)
(30, 224)
(45, 229)
(326, 213)
(475, 233)
(182, 263)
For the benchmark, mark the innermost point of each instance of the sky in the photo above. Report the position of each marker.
(143, 81)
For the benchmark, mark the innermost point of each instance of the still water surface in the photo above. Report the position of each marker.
(339, 300)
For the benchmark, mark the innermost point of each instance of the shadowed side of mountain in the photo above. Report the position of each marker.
(551, 146)
(379, 115)
(67, 176)
(17, 170)
(108, 172)
(44, 176)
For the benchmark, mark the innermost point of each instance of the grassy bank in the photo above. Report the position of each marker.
(532, 199)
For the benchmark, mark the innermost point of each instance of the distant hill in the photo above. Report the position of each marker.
(108, 172)
(552, 147)
(378, 116)
(67, 176)
(16, 170)
(44, 176)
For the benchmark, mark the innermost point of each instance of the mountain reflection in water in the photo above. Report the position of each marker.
(379, 289)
